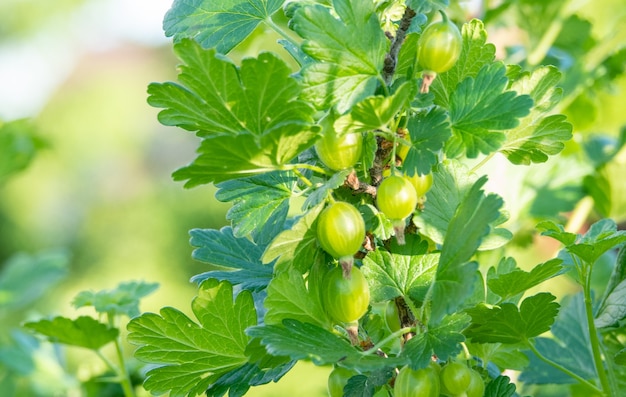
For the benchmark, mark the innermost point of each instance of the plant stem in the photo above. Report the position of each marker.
(314, 168)
(270, 22)
(593, 334)
(563, 369)
(482, 162)
(383, 342)
(549, 36)
(122, 371)
(302, 177)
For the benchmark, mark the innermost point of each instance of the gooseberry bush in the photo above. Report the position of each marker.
(364, 234)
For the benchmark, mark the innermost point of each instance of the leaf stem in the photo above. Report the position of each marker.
(274, 26)
(303, 178)
(549, 36)
(122, 371)
(562, 368)
(482, 162)
(314, 168)
(391, 337)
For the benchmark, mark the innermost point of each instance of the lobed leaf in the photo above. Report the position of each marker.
(500, 387)
(189, 355)
(428, 132)
(124, 299)
(84, 331)
(221, 24)
(516, 281)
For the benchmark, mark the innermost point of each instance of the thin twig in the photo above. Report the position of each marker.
(391, 59)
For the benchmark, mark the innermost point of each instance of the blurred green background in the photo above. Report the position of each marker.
(100, 191)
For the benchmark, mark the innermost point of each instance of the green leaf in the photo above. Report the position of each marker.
(481, 109)
(475, 53)
(508, 324)
(122, 300)
(222, 248)
(305, 341)
(288, 297)
(295, 248)
(257, 201)
(620, 357)
(500, 387)
(455, 278)
(222, 24)
(190, 356)
(320, 194)
(428, 131)
(444, 341)
(84, 331)
(517, 281)
(349, 52)
(424, 6)
(452, 183)
(24, 278)
(569, 346)
(601, 237)
(557, 232)
(376, 112)
(18, 145)
(539, 134)
(613, 304)
(238, 381)
(505, 356)
(406, 273)
(365, 386)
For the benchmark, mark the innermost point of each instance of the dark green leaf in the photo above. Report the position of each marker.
(288, 297)
(258, 201)
(295, 248)
(475, 54)
(24, 278)
(517, 281)
(83, 332)
(429, 131)
(222, 24)
(190, 356)
(539, 134)
(444, 341)
(508, 324)
(349, 52)
(304, 341)
(620, 357)
(500, 387)
(122, 300)
(481, 109)
(364, 386)
(222, 248)
(409, 273)
(238, 381)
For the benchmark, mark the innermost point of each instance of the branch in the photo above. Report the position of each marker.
(391, 59)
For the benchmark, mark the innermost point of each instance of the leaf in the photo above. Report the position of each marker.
(620, 357)
(377, 111)
(19, 144)
(305, 341)
(190, 356)
(222, 248)
(257, 201)
(601, 237)
(539, 134)
(393, 274)
(517, 281)
(500, 387)
(24, 278)
(475, 53)
(557, 232)
(320, 193)
(612, 306)
(506, 323)
(238, 381)
(424, 6)
(452, 182)
(222, 24)
(365, 386)
(288, 297)
(569, 346)
(297, 247)
(444, 341)
(122, 300)
(84, 331)
(428, 131)
(469, 225)
(349, 52)
(481, 108)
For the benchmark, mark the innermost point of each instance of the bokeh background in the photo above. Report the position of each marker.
(100, 192)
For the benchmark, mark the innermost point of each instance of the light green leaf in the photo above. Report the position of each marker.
(124, 299)
(514, 282)
(428, 131)
(475, 53)
(222, 248)
(224, 157)
(376, 112)
(18, 145)
(190, 356)
(557, 232)
(508, 324)
(222, 24)
(305, 341)
(349, 52)
(257, 201)
(84, 331)
(409, 272)
(539, 134)
(601, 237)
(288, 297)
(295, 248)
(481, 109)
(320, 194)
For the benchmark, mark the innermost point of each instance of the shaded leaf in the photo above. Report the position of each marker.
(500, 387)
(124, 299)
(517, 281)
